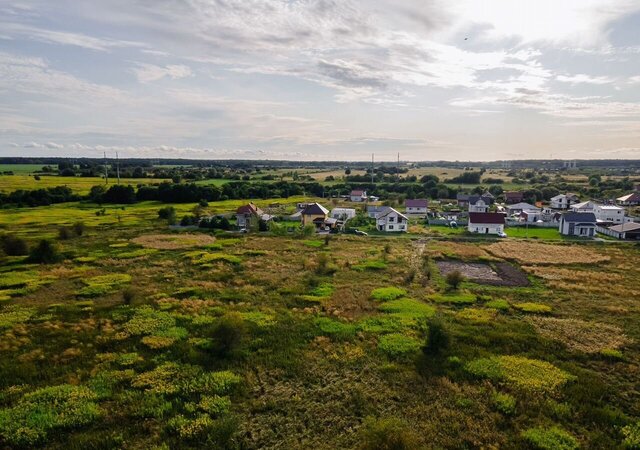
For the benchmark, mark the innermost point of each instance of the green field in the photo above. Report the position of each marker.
(533, 232)
(79, 185)
(22, 169)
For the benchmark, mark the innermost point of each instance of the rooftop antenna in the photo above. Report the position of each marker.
(118, 167)
(106, 171)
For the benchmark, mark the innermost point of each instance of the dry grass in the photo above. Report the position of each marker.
(557, 273)
(459, 250)
(534, 253)
(578, 335)
(173, 241)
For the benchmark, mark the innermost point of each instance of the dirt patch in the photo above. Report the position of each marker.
(504, 274)
(173, 241)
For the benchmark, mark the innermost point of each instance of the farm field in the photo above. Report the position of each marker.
(22, 169)
(79, 185)
(218, 340)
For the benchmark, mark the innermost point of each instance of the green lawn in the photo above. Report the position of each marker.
(532, 232)
(79, 185)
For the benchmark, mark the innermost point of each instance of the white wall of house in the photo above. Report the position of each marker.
(392, 222)
(485, 228)
(479, 206)
(606, 213)
(560, 202)
(576, 229)
(417, 210)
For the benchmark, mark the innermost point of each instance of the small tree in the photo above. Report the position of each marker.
(44, 253)
(64, 233)
(128, 295)
(437, 339)
(454, 279)
(168, 213)
(78, 228)
(13, 245)
(229, 334)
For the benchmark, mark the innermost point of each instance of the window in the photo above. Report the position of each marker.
(391, 227)
(391, 218)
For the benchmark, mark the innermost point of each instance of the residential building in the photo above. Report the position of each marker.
(343, 214)
(247, 216)
(610, 214)
(632, 199)
(486, 223)
(416, 206)
(392, 221)
(479, 205)
(587, 206)
(513, 197)
(463, 199)
(577, 224)
(314, 213)
(358, 195)
(629, 230)
(518, 208)
(564, 201)
(374, 211)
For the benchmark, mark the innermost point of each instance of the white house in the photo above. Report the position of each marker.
(374, 211)
(358, 195)
(486, 223)
(587, 206)
(479, 206)
(343, 213)
(392, 221)
(610, 214)
(563, 201)
(520, 207)
(577, 224)
(416, 206)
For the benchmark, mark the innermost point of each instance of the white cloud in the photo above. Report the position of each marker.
(147, 73)
(582, 78)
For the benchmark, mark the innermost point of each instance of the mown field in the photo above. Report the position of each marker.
(140, 337)
(79, 185)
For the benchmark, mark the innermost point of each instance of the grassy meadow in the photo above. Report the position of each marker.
(142, 337)
(79, 185)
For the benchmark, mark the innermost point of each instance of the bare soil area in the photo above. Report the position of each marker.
(504, 273)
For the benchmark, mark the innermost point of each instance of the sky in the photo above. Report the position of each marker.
(466, 80)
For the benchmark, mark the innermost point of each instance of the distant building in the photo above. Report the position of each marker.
(564, 201)
(392, 221)
(416, 206)
(343, 214)
(518, 208)
(587, 206)
(629, 230)
(610, 214)
(374, 211)
(247, 216)
(358, 195)
(478, 205)
(632, 199)
(314, 213)
(462, 199)
(577, 224)
(486, 223)
(511, 198)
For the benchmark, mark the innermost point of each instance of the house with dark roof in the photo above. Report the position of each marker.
(392, 221)
(418, 206)
(578, 224)
(478, 204)
(513, 197)
(462, 199)
(632, 199)
(486, 223)
(314, 213)
(247, 216)
(358, 195)
(374, 211)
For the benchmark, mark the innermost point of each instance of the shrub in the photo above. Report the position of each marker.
(535, 308)
(387, 434)
(13, 245)
(454, 279)
(168, 213)
(631, 435)
(437, 339)
(476, 315)
(408, 308)
(528, 374)
(553, 438)
(103, 284)
(64, 233)
(335, 328)
(387, 293)
(78, 228)
(372, 264)
(229, 334)
(44, 253)
(454, 298)
(504, 403)
(128, 295)
(41, 411)
(499, 304)
(399, 346)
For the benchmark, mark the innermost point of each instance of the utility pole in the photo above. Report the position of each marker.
(398, 168)
(372, 168)
(106, 170)
(118, 167)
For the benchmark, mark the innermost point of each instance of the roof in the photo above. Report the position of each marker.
(376, 208)
(634, 196)
(582, 205)
(623, 227)
(610, 207)
(342, 210)
(487, 194)
(524, 206)
(579, 217)
(517, 194)
(462, 197)
(356, 192)
(314, 209)
(249, 208)
(559, 196)
(493, 218)
(389, 211)
(416, 203)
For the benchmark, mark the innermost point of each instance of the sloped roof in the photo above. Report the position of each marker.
(583, 205)
(524, 206)
(357, 192)
(492, 218)
(249, 208)
(314, 209)
(389, 211)
(579, 217)
(634, 196)
(416, 203)
(623, 227)
(518, 194)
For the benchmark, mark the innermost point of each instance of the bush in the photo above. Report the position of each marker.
(128, 295)
(553, 438)
(535, 308)
(64, 233)
(387, 293)
(504, 403)
(334, 328)
(78, 228)
(387, 434)
(631, 435)
(437, 339)
(229, 334)
(398, 346)
(44, 253)
(168, 213)
(454, 279)
(13, 245)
